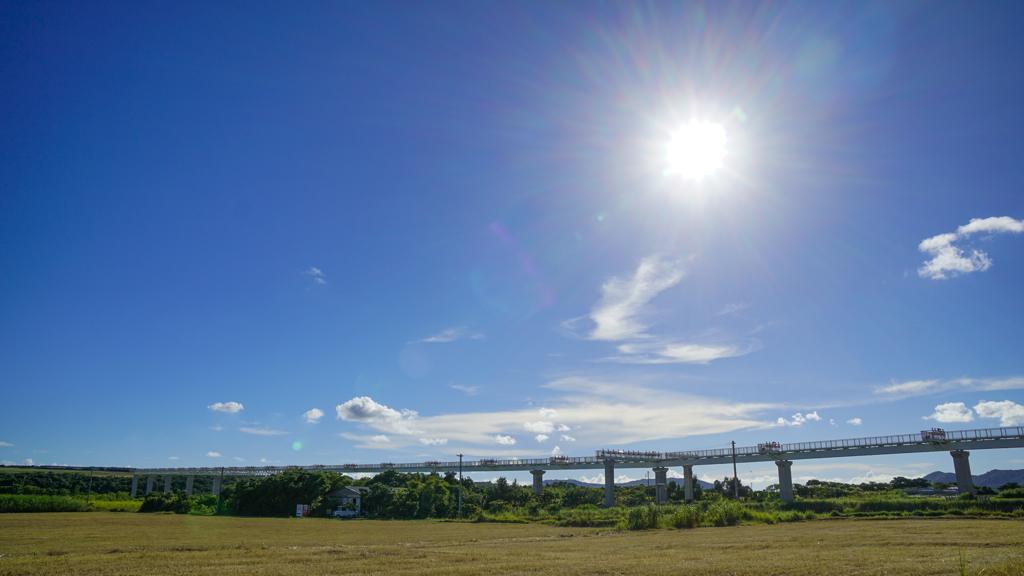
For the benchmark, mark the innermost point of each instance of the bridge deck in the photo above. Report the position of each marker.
(983, 439)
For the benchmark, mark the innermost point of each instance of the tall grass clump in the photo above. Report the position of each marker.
(40, 503)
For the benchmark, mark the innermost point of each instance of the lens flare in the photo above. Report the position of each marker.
(696, 150)
(297, 446)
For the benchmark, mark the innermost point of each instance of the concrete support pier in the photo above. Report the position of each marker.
(688, 483)
(188, 485)
(149, 483)
(216, 485)
(661, 485)
(609, 483)
(538, 481)
(785, 480)
(135, 485)
(167, 483)
(962, 469)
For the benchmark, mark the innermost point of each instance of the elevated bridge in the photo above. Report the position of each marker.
(957, 443)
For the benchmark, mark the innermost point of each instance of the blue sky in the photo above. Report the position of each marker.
(400, 231)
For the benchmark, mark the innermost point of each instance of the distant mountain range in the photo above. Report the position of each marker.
(992, 478)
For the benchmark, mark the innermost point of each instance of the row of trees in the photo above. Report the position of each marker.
(75, 483)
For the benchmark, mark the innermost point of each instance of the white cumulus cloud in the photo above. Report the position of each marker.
(1009, 413)
(548, 413)
(213, 454)
(364, 409)
(814, 416)
(434, 441)
(540, 437)
(380, 438)
(567, 438)
(231, 407)
(505, 440)
(951, 412)
(314, 415)
(798, 419)
(556, 451)
(540, 427)
(855, 421)
(29, 462)
(949, 260)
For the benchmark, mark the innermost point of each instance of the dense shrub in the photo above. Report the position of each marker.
(1011, 493)
(40, 503)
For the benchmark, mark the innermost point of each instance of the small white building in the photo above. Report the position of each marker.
(350, 501)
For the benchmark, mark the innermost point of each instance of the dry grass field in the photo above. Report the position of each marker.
(118, 543)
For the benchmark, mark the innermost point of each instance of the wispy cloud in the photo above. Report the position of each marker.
(230, 407)
(855, 421)
(676, 353)
(265, 461)
(313, 271)
(8, 444)
(612, 412)
(217, 428)
(364, 409)
(263, 431)
(317, 274)
(450, 335)
(239, 459)
(377, 442)
(949, 261)
(900, 390)
(172, 457)
(213, 454)
(471, 390)
(434, 441)
(615, 315)
(313, 416)
(733, 308)
(620, 316)
(567, 438)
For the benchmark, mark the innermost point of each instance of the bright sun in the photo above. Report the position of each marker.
(696, 149)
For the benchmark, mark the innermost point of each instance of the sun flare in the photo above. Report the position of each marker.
(696, 150)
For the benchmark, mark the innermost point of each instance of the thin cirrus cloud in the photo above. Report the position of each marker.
(229, 407)
(6, 444)
(434, 441)
(900, 390)
(449, 335)
(949, 260)
(317, 274)
(471, 390)
(263, 431)
(612, 412)
(619, 316)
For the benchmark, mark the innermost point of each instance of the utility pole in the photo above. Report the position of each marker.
(89, 494)
(735, 482)
(460, 486)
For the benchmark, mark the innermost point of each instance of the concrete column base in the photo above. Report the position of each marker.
(609, 483)
(785, 480)
(538, 481)
(962, 468)
(688, 483)
(661, 485)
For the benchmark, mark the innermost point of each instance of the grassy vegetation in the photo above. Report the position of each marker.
(89, 544)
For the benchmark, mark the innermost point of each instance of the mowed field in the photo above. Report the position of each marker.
(113, 543)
